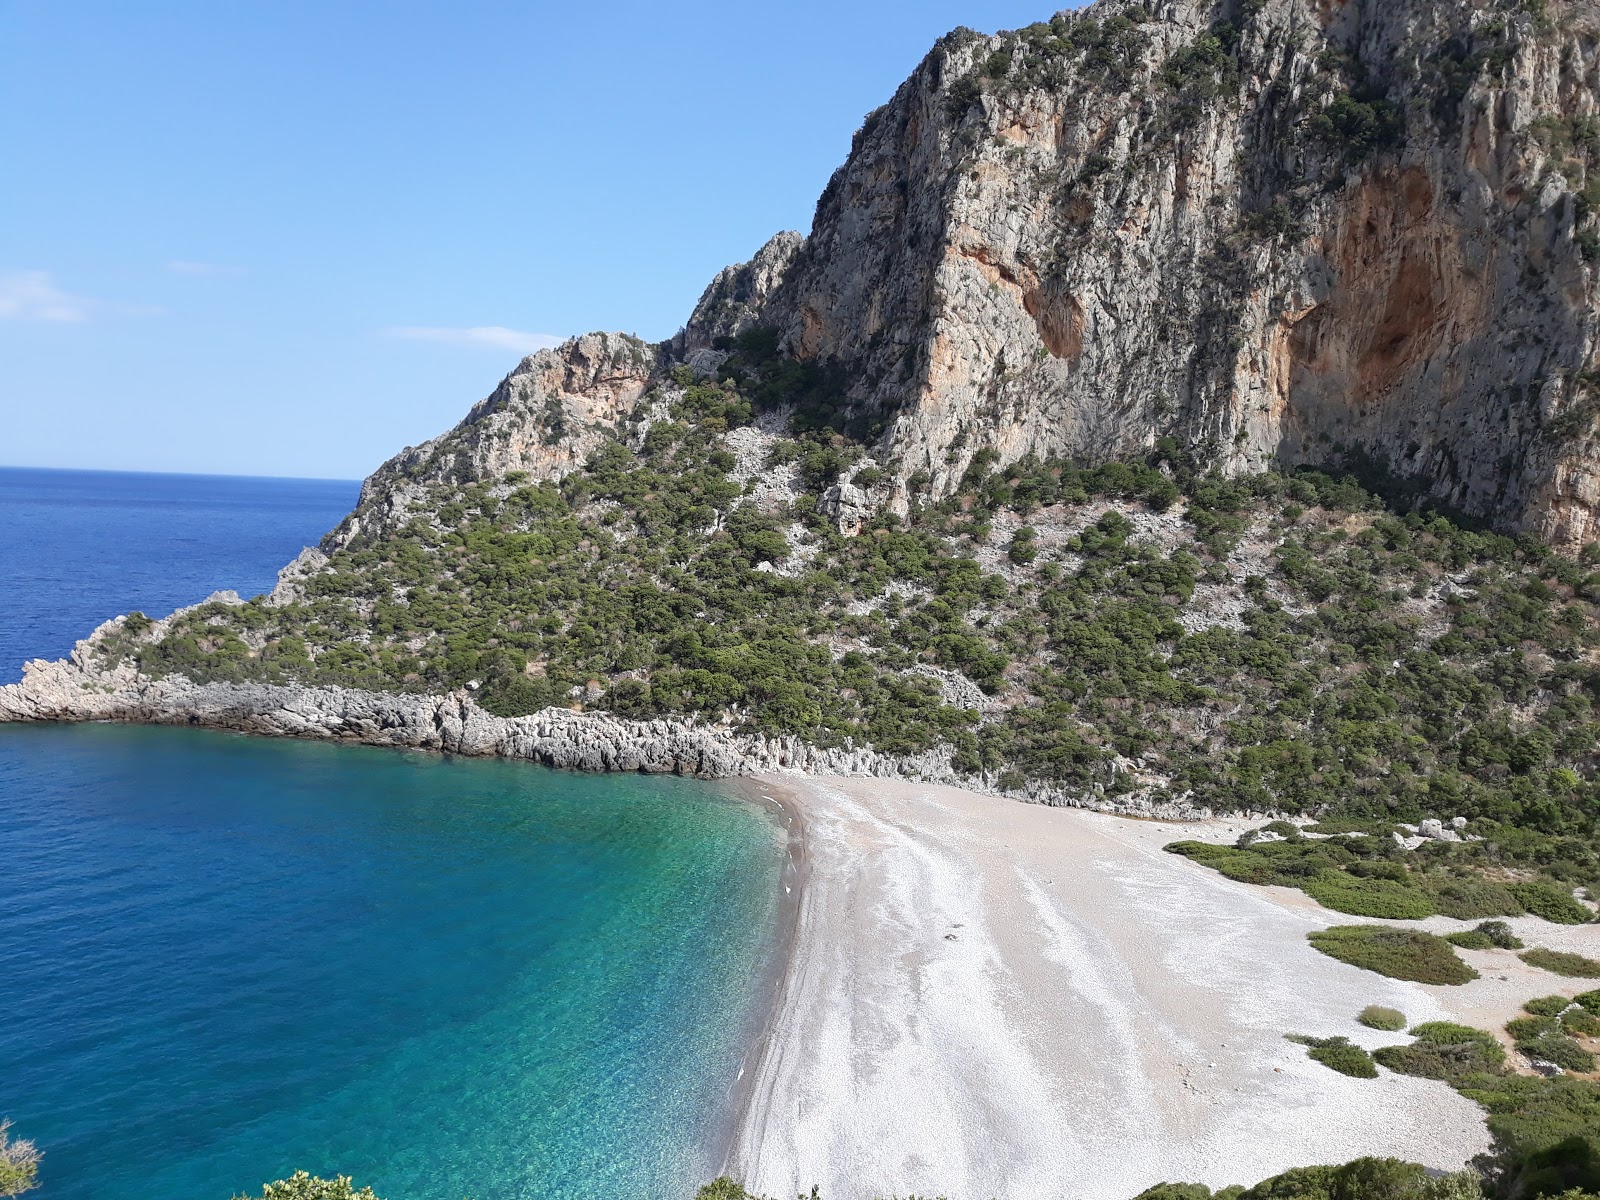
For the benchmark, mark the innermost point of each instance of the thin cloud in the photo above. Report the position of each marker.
(33, 296)
(495, 337)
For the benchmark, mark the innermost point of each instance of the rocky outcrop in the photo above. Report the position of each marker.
(78, 689)
(544, 419)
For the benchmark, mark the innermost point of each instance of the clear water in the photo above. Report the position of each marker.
(79, 547)
(225, 958)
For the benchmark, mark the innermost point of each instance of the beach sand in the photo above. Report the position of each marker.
(987, 999)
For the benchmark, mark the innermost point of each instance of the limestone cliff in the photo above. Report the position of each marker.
(1277, 230)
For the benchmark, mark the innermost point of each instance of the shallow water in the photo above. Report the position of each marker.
(223, 958)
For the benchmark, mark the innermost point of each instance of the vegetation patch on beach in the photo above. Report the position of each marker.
(1366, 874)
(1406, 954)
(1363, 1179)
(1487, 935)
(1339, 1053)
(1376, 1016)
(1575, 966)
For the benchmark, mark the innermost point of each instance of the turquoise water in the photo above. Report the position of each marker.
(223, 958)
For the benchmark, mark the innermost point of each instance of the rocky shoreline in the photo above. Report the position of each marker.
(78, 688)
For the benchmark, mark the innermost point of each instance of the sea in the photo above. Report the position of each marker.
(225, 958)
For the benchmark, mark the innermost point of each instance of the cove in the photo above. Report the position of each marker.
(225, 958)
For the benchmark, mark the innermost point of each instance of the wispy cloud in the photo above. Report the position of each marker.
(34, 296)
(495, 337)
(184, 266)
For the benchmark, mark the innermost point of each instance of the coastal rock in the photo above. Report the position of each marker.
(79, 689)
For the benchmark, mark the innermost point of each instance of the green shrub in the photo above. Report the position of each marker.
(1574, 966)
(1398, 953)
(1469, 899)
(1552, 902)
(1589, 1001)
(1339, 1053)
(1489, 935)
(1176, 1191)
(1553, 1046)
(19, 1163)
(1347, 893)
(1500, 934)
(1444, 1050)
(304, 1186)
(1376, 1016)
(1366, 1179)
(1579, 1023)
(1547, 1006)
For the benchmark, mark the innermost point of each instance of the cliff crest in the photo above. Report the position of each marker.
(1340, 232)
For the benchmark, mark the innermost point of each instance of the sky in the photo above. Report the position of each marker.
(291, 238)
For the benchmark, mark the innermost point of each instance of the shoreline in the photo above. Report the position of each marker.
(986, 998)
(762, 1022)
(80, 689)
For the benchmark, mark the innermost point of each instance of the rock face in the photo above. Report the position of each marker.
(1171, 226)
(546, 417)
(1292, 231)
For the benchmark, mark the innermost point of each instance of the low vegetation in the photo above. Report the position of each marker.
(1398, 953)
(1487, 935)
(19, 1163)
(1367, 874)
(1376, 1016)
(1444, 1050)
(1363, 1179)
(1339, 1053)
(1575, 966)
(1543, 1038)
(304, 1186)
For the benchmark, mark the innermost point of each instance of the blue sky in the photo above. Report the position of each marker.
(289, 238)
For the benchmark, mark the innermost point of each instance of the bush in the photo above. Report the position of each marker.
(1376, 1016)
(19, 1163)
(1489, 935)
(1557, 1048)
(303, 1186)
(723, 1188)
(1551, 902)
(1445, 1050)
(1467, 899)
(1574, 966)
(1359, 897)
(1547, 1006)
(1589, 1001)
(1339, 1053)
(1579, 1023)
(1398, 953)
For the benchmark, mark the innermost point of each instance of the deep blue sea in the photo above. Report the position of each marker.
(79, 547)
(223, 958)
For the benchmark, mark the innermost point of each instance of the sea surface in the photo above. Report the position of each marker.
(80, 547)
(223, 958)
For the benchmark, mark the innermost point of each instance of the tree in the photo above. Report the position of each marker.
(19, 1163)
(304, 1186)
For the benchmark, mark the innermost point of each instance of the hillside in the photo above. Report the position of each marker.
(1167, 408)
